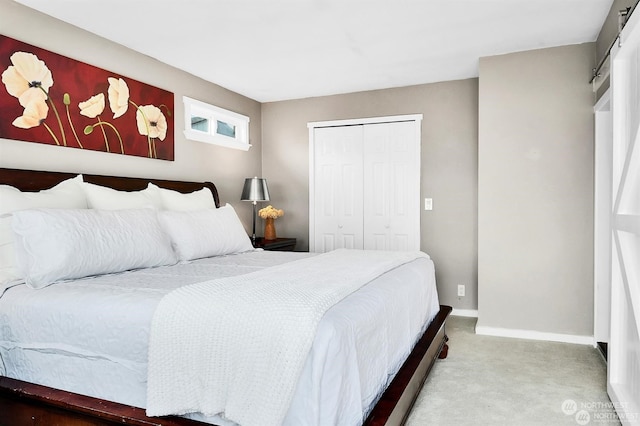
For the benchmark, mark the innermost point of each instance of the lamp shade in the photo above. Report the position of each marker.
(255, 189)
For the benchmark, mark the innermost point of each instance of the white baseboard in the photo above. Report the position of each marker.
(535, 335)
(471, 313)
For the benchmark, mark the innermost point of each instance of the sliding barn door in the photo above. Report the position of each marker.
(624, 347)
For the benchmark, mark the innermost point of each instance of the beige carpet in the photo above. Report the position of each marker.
(499, 381)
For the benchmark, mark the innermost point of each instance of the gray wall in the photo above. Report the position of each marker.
(448, 175)
(535, 191)
(193, 160)
(535, 171)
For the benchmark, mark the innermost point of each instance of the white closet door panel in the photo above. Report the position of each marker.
(392, 186)
(338, 188)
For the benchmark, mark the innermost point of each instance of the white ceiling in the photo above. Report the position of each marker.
(272, 50)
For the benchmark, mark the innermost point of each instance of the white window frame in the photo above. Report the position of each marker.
(193, 107)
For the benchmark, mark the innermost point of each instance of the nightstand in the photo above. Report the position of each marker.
(279, 244)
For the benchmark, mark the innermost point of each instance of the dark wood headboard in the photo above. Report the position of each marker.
(36, 180)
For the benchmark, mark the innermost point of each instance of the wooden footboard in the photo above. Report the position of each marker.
(24, 403)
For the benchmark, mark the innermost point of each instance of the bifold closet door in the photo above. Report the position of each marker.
(391, 164)
(366, 187)
(338, 188)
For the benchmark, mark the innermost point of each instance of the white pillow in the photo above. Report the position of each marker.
(103, 198)
(53, 245)
(205, 233)
(177, 201)
(67, 194)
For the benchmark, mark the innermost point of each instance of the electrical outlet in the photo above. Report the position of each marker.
(428, 203)
(461, 290)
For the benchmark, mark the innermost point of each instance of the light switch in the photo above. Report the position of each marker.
(428, 203)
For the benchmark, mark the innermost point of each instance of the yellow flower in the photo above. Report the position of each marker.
(25, 78)
(33, 115)
(93, 106)
(270, 212)
(118, 96)
(151, 122)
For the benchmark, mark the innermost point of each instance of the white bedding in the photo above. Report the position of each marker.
(90, 336)
(252, 332)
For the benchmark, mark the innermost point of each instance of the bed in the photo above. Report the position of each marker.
(29, 401)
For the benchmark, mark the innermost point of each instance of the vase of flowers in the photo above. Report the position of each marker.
(270, 214)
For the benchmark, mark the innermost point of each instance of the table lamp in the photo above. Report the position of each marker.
(255, 189)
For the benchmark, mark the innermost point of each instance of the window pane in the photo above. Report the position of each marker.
(200, 123)
(226, 129)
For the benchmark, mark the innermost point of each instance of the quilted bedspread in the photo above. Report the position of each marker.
(236, 346)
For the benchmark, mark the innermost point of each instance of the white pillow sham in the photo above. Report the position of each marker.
(67, 194)
(177, 201)
(103, 198)
(205, 233)
(54, 245)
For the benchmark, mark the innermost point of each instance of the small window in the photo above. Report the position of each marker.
(211, 124)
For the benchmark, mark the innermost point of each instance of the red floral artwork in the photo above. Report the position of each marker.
(51, 99)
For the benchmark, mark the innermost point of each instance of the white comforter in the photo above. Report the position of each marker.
(90, 336)
(237, 345)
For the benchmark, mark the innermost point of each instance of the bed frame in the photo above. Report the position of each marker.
(23, 403)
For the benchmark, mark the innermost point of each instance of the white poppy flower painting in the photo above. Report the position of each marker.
(51, 99)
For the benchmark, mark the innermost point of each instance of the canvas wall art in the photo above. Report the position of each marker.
(52, 99)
